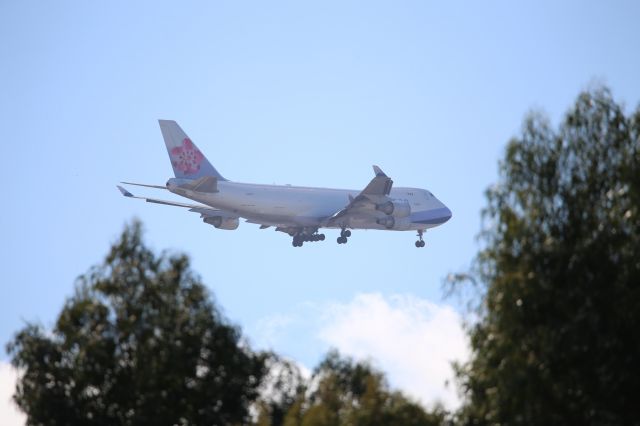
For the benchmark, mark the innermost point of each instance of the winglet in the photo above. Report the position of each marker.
(124, 191)
(378, 171)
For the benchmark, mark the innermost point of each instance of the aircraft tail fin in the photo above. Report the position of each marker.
(186, 159)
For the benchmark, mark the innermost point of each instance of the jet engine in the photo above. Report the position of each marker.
(222, 222)
(387, 222)
(397, 224)
(396, 208)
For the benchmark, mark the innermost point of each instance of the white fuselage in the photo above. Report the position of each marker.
(297, 206)
(295, 210)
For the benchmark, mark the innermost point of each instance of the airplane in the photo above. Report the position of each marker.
(297, 211)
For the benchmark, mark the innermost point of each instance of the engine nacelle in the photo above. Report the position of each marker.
(396, 208)
(221, 222)
(397, 224)
(387, 222)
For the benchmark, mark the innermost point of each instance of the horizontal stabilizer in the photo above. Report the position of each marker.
(204, 184)
(145, 185)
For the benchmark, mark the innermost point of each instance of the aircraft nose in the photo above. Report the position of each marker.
(448, 213)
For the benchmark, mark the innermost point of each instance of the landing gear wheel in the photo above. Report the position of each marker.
(420, 242)
(342, 240)
(304, 235)
(346, 234)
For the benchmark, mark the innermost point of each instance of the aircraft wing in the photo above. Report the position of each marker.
(198, 208)
(376, 192)
(380, 186)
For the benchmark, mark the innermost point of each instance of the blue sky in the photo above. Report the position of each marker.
(308, 93)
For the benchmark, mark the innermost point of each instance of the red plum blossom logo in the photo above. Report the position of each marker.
(186, 158)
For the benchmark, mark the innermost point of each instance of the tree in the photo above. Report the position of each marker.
(279, 391)
(557, 341)
(140, 342)
(342, 392)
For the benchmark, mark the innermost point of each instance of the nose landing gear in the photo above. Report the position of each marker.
(344, 234)
(420, 242)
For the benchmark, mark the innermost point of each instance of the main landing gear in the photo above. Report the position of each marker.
(344, 234)
(420, 242)
(301, 238)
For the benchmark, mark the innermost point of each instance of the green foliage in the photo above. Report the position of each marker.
(557, 339)
(139, 343)
(342, 392)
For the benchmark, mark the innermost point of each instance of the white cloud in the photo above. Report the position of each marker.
(412, 340)
(270, 329)
(9, 413)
